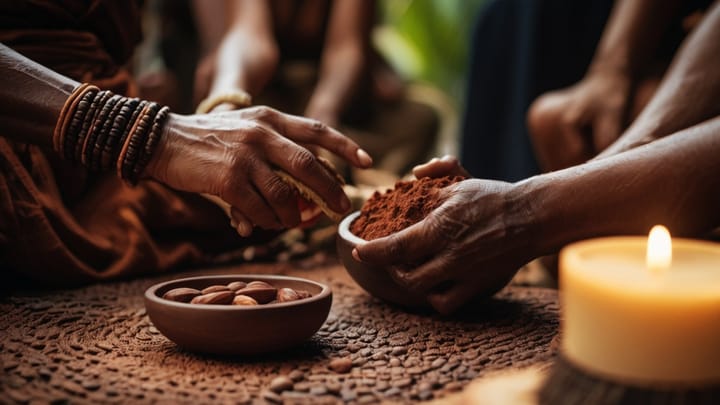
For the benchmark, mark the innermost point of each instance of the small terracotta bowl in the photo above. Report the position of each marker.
(239, 330)
(372, 279)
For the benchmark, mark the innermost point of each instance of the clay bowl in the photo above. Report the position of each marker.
(238, 330)
(373, 279)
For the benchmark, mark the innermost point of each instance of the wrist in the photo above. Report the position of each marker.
(157, 166)
(612, 67)
(621, 59)
(522, 218)
(103, 131)
(535, 199)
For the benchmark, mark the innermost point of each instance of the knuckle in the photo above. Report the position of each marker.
(333, 188)
(256, 133)
(414, 283)
(241, 163)
(317, 126)
(403, 277)
(278, 191)
(264, 111)
(302, 160)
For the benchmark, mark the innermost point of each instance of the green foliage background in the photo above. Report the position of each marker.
(429, 40)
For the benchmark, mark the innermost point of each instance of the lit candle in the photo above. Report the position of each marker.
(642, 310)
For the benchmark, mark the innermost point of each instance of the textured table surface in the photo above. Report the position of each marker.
(96, 345)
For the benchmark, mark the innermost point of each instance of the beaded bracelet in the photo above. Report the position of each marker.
(104, 131)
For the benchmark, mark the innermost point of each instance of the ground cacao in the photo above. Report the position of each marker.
(398, 208)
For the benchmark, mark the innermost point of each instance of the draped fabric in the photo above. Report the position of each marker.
(57, 222)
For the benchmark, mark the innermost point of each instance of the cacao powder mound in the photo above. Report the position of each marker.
(398, 208)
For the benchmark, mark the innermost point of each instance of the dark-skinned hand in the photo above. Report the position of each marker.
(467, 247)
(579, 122)
(232, 155)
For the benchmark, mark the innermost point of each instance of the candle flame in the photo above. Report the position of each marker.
(659, 249)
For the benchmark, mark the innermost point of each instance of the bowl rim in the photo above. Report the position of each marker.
(150, 293)
(344, 229)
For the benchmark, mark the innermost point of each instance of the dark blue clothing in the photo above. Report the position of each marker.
(521, 49)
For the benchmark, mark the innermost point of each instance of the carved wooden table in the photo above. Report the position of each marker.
(96, 345)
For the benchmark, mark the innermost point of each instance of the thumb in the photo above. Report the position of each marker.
(439, 167)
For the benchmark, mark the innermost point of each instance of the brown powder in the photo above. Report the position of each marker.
(407, 204)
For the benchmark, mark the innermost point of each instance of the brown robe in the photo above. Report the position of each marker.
(57, 222)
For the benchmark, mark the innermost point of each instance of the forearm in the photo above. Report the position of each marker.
(211, 20)
(631, 35)
(689, 94)
(339, 78)
(245, 52)
(345, 56)
(672, 181)
(31, 97)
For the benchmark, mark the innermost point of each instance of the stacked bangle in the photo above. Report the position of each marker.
(104, 131)
(238, 98)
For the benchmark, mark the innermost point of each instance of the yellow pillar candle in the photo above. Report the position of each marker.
(640, 314)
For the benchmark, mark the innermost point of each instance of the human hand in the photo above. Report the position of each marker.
(233, 155)
(572, 125)
(470, 246)
(244, 61)
(439, 167)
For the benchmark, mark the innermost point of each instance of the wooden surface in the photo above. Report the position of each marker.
(96, 345)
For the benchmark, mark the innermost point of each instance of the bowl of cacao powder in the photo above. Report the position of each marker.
(238, 314)
(381, 215)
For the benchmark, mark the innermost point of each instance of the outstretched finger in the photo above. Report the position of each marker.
(314, 132)
(279, 195)
(303, 166)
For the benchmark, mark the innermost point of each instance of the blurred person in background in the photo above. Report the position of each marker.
(308, 57)
(65, 216)
(525, 49)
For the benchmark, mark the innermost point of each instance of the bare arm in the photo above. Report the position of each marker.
(231, 155)
(571, 125)
(672, 181)
(689, 93)
(31, 97)
(241, 56)
(633, 34)
(485, 230)
(344, 57)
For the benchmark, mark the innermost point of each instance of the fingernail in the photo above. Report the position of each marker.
(356, 255)
(244, 229)
(364, 158)
(233, 223)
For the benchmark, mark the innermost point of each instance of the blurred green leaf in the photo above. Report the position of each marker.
(429, 40)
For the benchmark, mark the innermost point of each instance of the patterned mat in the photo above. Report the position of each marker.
(96, 345)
